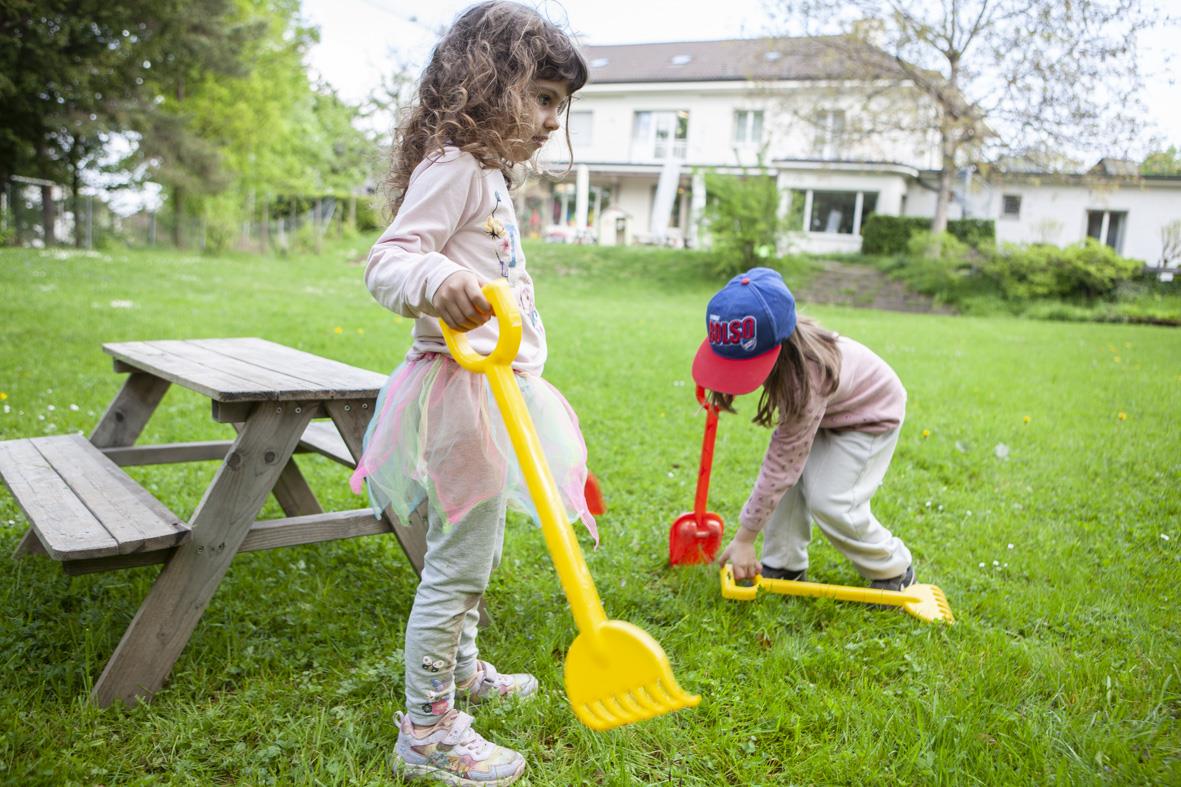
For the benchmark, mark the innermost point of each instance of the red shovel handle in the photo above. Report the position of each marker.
(707, 455)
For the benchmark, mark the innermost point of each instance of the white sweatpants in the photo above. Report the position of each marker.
(842, 472)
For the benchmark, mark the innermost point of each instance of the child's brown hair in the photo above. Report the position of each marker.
(474, 92)
(788, 387)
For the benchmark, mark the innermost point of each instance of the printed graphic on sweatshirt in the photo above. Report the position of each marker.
(508, 243)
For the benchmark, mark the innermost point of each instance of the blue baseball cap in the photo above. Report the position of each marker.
(746, 322)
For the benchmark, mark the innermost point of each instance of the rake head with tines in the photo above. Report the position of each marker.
(616, 674)
(926, 602)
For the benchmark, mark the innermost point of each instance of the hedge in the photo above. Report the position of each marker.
(882, 234)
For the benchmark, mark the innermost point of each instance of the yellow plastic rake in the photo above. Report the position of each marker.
(616, 673)
(925, 602)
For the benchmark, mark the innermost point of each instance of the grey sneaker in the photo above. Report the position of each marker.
(770, 572)
(452, 753)
(900, 582)
(488, 684)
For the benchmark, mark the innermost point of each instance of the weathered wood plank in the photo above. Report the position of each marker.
(319, 372)
(160, 359)
(29, 545)
(230, 370)
(168, 453)
(264, 534)
(129, 411)
(293, 531)
(323, 438)
(135, 519)
(64, 525)
(162, 626)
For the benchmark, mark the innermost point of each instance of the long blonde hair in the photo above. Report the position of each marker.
(788, 386)
(474, 92)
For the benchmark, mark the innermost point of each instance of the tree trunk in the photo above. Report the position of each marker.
(943, 198)
(178, 209)
(48, 215)
(77, 200)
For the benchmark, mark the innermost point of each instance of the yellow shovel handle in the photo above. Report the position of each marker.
(559, 535)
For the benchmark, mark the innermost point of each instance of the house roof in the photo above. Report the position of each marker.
(762, 59)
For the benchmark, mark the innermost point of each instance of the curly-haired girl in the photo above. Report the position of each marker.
(491, 95)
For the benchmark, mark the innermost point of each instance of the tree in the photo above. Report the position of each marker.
(991, 77)
(1162, 162)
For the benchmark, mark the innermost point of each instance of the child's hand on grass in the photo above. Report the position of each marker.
(460, 302)
(740, 553)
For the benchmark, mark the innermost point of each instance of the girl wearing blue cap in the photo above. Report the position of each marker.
(835, 409)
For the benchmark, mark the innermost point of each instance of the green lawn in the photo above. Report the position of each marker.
(1037, 481)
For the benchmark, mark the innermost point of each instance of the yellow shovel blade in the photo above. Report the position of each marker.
(926, 602)
(619, 674)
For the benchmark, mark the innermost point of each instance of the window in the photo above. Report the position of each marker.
(830, 132)
(748, 127)
(1107, 226)
(837, 212)
(580, 128)
(1011, 206)
(660, 135)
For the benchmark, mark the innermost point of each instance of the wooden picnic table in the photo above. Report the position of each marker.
(84, 511)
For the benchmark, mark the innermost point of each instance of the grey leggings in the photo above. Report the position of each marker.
(441, 630)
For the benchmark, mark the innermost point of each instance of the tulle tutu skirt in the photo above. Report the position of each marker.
(438, 435)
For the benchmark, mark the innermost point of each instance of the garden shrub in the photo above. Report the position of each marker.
(744, 222)
(1088, 269)
(882, 234)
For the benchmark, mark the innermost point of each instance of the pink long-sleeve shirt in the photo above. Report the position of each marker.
(869, 398)
(456, 215)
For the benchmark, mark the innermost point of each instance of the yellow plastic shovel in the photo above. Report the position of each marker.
(925, 602)
(616, 673)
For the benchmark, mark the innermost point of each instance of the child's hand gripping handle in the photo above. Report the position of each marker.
(559, 535)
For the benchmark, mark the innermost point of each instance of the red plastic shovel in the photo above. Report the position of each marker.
(695, 536)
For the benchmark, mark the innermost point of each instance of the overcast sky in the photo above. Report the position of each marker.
(360, 38)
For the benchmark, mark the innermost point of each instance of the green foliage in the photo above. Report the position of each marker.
(1162, 162)
(744, 223)
(1088, 270)
(881, 234)
(1054, 673)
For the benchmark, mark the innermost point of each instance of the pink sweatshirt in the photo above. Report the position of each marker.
(456, 215)
(869, 398)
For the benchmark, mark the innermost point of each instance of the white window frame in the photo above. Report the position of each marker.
(581, 140)
(748, 127)
(830, 133)
(858, 209)
(1105, 226)
(649, 145)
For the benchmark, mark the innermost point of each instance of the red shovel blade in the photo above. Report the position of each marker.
(692, 542)
(594, 495)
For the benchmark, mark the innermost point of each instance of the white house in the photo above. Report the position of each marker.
(655, 117)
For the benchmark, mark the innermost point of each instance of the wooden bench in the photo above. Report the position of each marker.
(80, 505)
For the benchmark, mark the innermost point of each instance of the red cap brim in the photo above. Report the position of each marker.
(730, 375)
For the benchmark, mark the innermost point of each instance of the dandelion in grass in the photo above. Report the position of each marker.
(3, 396)
(1027, 419)
(1123, 416)
(338, 330)
(926, 433)
(1001, 451)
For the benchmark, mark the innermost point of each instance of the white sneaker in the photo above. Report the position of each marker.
(489, 684)
(452, 753)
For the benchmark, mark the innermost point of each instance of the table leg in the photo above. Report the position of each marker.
(160, 629)
(129, 411)
(351, 419)
(292, 491)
